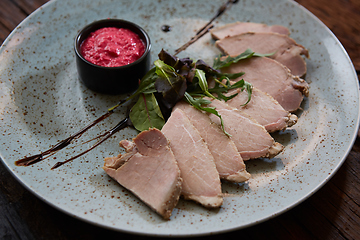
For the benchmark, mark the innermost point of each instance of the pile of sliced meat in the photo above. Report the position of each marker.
(192, 153)
(280, 74)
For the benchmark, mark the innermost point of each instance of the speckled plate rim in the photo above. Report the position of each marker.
(231, 227)
(353, 137)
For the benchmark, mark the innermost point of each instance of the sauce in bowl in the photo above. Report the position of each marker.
(112, 55)
(112, 47)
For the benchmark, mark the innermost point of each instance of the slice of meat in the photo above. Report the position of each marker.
(149, 171)
(228, 161)
(285, 49)
(236, 28)
(127, 145)
(273, 78)
(251, 139)
(119, 160)
(201, 181)
(263, 108)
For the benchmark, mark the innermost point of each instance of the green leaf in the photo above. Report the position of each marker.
(146, 86)
(198, 104)
(221, 88)
(248, 87)
(168, 84)
(200, 74)
(164, 70)
(223, 85)
(171, 85)
(147, 83)
(218, 63)
(230, 75)
(146, 113)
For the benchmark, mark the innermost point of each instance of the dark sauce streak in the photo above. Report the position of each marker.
(165, 28)
(202, 31)
(27, 161)
(121, 125)
(219, 12)
(194, 39)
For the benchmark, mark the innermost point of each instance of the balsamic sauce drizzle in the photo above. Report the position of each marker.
(194, 39)
(27, 161)
(121, 125)
(202, 31)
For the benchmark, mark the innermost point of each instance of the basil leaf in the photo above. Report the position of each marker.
(146, 113)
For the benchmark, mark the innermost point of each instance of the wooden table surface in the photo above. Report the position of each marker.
(331, 213)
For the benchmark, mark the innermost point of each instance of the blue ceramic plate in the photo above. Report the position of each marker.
(42, 102)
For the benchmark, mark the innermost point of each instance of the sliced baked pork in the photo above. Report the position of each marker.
(228, 161)
(273, 78)
(285, 49)
(201, 181)
(236, 28)
(251, 139)
(263, 108)
(149, 170)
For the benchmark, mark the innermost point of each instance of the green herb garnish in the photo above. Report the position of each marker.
(173, 79)
(146, 113)
(218, 63)
(199, 103)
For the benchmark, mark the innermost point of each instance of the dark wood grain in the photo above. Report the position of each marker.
(342, 17)
(10, 17)
(331, 213)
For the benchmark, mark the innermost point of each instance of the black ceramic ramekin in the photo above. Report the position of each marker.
(112, 80)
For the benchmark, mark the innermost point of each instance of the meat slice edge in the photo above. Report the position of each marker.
(263, 108)
(236, 28)
(285, 49)
(201, 181)
(251, 139)
(273, 78)
(150, 172)
(228, 161)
